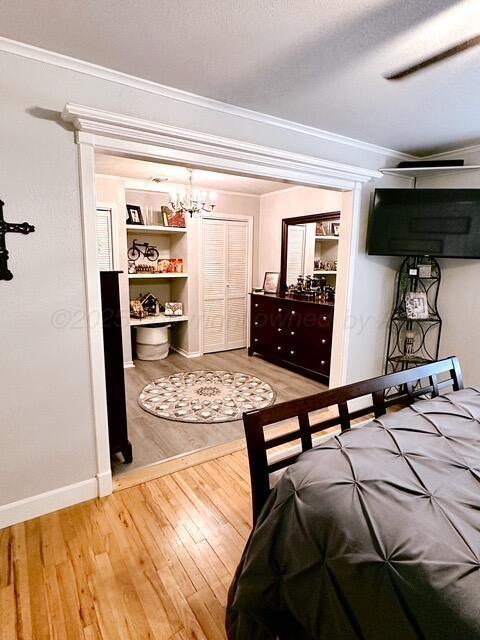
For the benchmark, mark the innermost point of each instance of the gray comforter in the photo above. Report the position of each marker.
(374, 534)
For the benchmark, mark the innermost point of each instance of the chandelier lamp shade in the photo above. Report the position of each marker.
(192, 200)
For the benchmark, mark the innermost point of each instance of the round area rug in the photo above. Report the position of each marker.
(205, 396)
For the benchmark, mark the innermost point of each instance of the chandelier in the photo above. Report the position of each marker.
(192, 201)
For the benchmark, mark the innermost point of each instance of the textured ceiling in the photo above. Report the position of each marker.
(145, 170)
(316, 62)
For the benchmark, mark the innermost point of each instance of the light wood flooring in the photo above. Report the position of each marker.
(150, 562)
(155, 439)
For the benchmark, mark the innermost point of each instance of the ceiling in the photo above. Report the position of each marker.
(208, 180)
(316, 62)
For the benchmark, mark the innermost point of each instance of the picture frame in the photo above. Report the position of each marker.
(416, 305)
(324, 228)
(134, 214)
(336, 229)
(271, 282)
(173, 308)
(173, 218)
(424, 270)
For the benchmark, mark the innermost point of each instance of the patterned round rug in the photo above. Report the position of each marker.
(205, 396)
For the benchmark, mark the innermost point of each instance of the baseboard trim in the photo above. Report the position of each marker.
(43, 503)
(104, 483)
(186, 354)
(129, 365)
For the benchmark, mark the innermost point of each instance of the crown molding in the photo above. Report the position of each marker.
(474, 148)
(94, 124)
(104, 73)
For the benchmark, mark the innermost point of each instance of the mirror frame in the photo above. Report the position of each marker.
(286, 222)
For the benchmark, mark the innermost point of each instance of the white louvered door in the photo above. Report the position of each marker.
(214, 284)
(225, 284)
(236, 293)
(104, 239)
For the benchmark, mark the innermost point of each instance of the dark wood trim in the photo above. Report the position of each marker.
(315, 217)
(410, 381)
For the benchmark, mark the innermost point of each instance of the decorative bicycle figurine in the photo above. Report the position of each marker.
(149, 251)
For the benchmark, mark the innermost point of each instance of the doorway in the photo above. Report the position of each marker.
(126, 136)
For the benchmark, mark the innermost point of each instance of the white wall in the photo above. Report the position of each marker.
(290, 203)
(458, 301)
(46, 409)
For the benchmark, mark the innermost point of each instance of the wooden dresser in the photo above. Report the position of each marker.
(295, 334)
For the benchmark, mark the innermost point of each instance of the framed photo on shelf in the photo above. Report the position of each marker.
(336, 228)
(323, 229)
(271, 282)
(134, 214)
(173, 308)
(173, 218)
(416, 305)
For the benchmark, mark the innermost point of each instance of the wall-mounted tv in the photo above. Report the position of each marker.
(416, 222)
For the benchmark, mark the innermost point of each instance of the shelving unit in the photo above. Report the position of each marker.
(423, 172)
(170, 242)
(150, 228)
(324, 272)
(160, 319)
(326, 251)
(156, 276)
(424, 332)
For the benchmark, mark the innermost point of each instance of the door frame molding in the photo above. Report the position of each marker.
(233, 217)
(99, 130)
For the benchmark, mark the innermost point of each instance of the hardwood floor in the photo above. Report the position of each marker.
(151, 562)
(155, 439)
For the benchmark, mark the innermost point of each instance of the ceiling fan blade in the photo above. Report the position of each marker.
(446, 53)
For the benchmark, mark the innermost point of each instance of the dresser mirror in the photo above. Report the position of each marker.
(310, 249)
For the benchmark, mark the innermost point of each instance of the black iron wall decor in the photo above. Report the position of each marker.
(9, 227)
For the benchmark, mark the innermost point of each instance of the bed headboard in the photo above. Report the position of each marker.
(410, 384)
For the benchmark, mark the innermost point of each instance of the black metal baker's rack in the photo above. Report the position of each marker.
(427, 331)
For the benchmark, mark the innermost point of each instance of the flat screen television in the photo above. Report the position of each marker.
(416, 222)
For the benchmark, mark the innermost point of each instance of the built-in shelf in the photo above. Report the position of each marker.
(160, 319)
(418, 172)
(324, 273)
(156, 276)
(326, 238)
(150, 228)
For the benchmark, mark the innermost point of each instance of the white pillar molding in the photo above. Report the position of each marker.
(86, 161)
(347, 250)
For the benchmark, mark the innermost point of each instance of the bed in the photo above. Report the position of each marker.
(374, 533)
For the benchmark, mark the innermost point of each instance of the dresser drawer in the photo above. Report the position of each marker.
(292, 332)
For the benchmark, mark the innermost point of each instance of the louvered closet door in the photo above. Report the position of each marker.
(214, 284)
(237, 273)
(225, 274)
(104, 239)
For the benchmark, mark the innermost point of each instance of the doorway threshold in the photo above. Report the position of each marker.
(175, 463)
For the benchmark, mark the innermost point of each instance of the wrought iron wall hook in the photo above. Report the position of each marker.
(9, 227)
